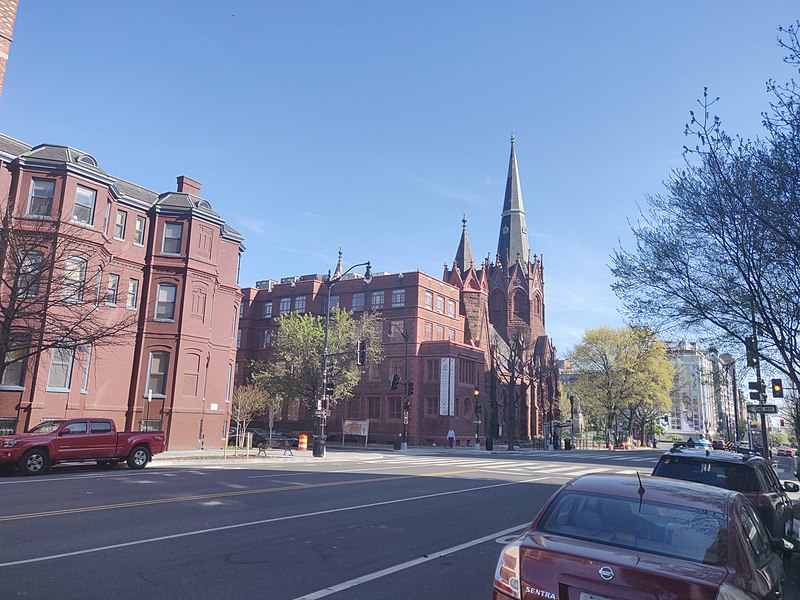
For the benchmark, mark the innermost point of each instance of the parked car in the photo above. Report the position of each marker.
(785, 451)
(718, 445)
(742, 471)
(262, 436)
(614, 536)
(78, 440)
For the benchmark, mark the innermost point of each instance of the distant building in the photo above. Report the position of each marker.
(167, 259)
(452, 324)
(8, 14)
(702, 392)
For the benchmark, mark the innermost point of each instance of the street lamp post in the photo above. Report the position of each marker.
(478, 411)
(323, 405)
(406, 415)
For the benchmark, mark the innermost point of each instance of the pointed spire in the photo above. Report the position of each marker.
(339, 267)
(513, 239)
(464, 257)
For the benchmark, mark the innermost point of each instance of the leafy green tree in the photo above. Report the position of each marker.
(622, 374)
(295, 370)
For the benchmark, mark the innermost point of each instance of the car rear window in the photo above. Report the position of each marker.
(660, 528)
(729, 476)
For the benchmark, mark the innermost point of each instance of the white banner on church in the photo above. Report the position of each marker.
(447, 386)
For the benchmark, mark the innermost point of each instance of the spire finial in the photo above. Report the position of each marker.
(464, 222)
(339, 266)
(512, 140)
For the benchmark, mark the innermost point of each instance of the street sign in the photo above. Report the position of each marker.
(322, 413)
(762, 408)
(477, 421)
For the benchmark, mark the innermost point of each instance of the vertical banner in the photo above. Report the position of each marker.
(447, 386)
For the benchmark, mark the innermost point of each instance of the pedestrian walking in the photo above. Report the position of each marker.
(451, 437)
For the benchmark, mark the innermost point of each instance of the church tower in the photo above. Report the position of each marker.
(503, 304)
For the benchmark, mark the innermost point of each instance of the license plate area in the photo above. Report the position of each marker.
(588, 596)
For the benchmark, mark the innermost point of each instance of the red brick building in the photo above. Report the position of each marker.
(168, 261)
(453, 325)
(8, 14)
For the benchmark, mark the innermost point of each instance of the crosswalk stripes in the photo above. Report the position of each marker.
(520, 468)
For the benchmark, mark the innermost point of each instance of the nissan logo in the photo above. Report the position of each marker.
(606, 573)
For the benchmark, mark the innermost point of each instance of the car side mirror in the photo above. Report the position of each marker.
(791, 486)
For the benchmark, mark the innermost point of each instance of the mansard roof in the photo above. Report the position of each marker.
(53, 155)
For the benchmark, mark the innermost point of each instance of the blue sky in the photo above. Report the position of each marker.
(376, 125)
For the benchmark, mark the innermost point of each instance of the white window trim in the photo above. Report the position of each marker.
(124, 225)
(69, 371)
(135, 304)
(150, 371)
(85, 381)
(77, 221)
(28, 212)
(174, 303)
(143, 220)
(111, 277)
(164, 239)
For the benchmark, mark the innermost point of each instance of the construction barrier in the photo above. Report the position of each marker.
(302, 442)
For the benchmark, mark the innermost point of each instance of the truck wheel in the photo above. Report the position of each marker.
(138, 458)
(34, 462)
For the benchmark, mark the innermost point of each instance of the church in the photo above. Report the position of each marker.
(472, 343)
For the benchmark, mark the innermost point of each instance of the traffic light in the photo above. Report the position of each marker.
(478, 408)
(782, 422)
(329, 388)
(759, 391)
(751, 346)
(407, 405)
(476, 392)
(361, 353)
(409, 388)
(777, 388)
(395, 381)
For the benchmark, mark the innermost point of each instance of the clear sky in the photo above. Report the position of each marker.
(376, 125)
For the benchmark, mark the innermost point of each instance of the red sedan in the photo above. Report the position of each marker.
(604, 537)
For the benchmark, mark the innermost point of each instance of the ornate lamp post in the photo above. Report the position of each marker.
(323, 405)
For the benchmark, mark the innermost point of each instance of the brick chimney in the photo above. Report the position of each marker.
(188, 185)
(8, 13)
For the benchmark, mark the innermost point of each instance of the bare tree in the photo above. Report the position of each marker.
(719, 253)
(512, 368)
(53, 294)
(248, 402)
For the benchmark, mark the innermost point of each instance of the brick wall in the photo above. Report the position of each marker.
(8, 13)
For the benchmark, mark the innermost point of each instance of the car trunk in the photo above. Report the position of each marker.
(571, 570)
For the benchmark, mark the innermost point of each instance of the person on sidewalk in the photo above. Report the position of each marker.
(451, 438)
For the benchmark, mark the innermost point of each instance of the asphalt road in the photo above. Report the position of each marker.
(394, 526)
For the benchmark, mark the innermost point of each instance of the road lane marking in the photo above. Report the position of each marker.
(408, 564)
(175, 536)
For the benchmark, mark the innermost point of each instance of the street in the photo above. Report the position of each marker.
(388, 526)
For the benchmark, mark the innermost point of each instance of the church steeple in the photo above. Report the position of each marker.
(339, 268)
(513, 240)
(464, 257)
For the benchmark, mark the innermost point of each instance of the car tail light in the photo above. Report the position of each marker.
(727, 592)
(506, 577)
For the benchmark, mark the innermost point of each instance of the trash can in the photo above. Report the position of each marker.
(567, 444)
(489, 443)
(397, 444)
(319, 446)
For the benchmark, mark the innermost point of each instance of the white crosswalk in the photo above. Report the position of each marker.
(521, 468)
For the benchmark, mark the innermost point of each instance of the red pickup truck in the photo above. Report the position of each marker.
(78, 440)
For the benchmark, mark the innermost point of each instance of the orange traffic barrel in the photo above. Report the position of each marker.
(302, 442)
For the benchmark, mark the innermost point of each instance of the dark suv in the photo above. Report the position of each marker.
(742, 471)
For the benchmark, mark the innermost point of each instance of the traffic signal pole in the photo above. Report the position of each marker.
(762, 396)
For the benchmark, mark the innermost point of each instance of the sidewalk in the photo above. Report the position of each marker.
(242, 457)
